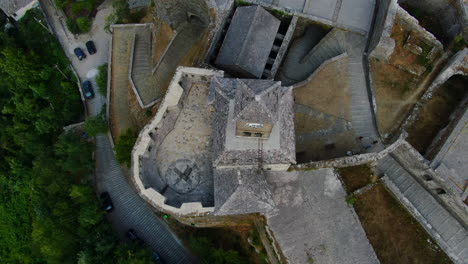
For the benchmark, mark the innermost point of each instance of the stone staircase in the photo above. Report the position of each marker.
(440, 223)
(303, 65)
(142, 64)
(361, 111)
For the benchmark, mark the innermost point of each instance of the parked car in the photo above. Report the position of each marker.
(156, 258)
(106, 202)
(91, 47)
(132, 235)
(88, 89)
(79, 53)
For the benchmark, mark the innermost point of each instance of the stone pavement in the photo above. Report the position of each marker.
(313, 223)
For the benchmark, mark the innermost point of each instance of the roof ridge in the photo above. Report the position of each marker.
(239, 55)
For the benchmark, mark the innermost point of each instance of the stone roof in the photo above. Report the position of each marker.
(11, 6)
(241, 192)
(255, 101)
(248, 41)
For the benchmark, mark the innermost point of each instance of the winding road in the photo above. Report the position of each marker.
(130, 210)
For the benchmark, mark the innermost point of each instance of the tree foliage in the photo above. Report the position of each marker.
(84, 24)
(95, 125)
(48, 208)
(208, 253)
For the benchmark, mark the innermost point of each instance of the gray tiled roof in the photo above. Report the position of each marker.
(248, 41)
(266, 98)
(241, 192)
(11, 6)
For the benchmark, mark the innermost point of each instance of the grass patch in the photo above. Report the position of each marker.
(394, 234)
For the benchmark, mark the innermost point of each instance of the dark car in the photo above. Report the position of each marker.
(156, 258)
(106, 202)
(88, 90)
(79, 53)
(132, 235)
(91, 47)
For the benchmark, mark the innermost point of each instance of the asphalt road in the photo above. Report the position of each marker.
(130, 210)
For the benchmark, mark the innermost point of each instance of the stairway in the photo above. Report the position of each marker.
(453, 236)
(361, 111)
(299, 65)
(142, 64)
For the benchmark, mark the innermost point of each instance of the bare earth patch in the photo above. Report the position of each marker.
(393, 88)
(395, 235)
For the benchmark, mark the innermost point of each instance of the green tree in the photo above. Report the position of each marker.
(208, 253)
(73, 26)
(121, 10)
(84, 24)
(123, 147)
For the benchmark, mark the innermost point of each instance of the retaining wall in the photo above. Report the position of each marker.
(354, 160)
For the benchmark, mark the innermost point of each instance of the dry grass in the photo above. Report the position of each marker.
(394, 90)
(397, 90)
(436, 113)
(328, 90)
(395, 235)
(119, 110)
(356, 177)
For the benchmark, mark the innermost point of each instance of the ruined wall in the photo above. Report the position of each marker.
(458, 64)
(381, 44)
(450, 14)
(176, 12)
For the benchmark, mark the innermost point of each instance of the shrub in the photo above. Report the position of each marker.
(101, 79)
(84, 24)
(123, 147)
(351, 199)
(95, 125)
